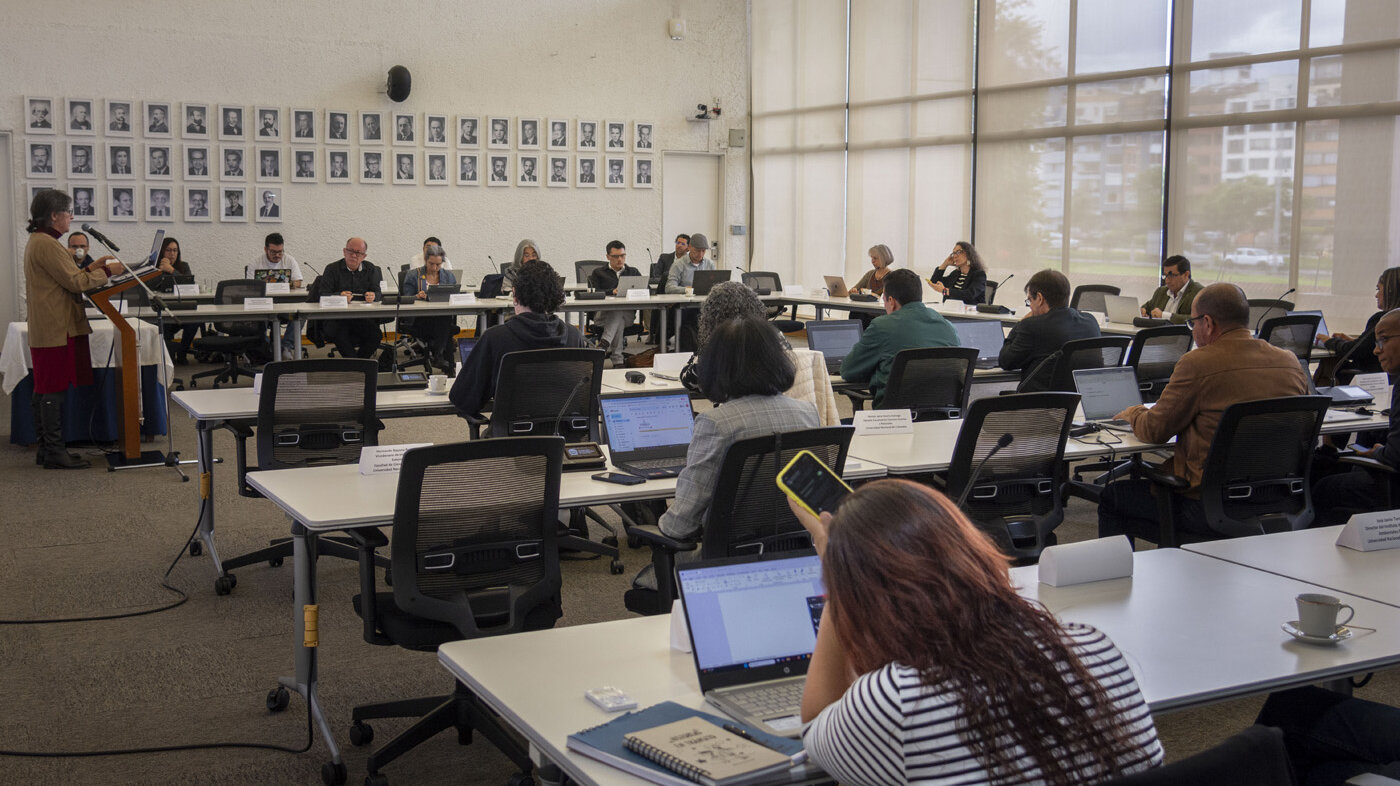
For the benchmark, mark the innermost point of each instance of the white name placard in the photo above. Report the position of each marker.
(639, 294)
(254, 303)
(257, 384)
(1086, 561)
(461, 298)
(385, 458)
(187, 290)
(334, 301)
(794, 289)
(1372, 531)
(279, 288)
(884, 421)
(1377, 384)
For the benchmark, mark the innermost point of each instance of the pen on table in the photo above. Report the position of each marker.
(739, 732)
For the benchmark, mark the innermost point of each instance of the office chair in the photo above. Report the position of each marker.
(311, 413)
(748, 513)
(470, 559)
(1294, 332)
(1056, 371)
(232, 341)
(584, 268)
(1386, 477)
(1253, 757)
(1017, 499)
(1090, 297)
(932, 382)
(758, 281)
(415, 350)
(992, 293)
(1154, 353)
(1261, 309)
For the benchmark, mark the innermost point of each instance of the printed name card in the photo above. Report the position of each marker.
(279, 288)
(187, 290)
(884, 421)
(639, 294)
(254, 303)
(461, 298)
(379, 459)
(1372, 531)
(334, 301)
(794, 289)
(1377, 384)
(257, 384)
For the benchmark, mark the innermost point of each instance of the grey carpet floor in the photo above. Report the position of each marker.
(92, 542)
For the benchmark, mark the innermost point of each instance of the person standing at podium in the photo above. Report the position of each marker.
(58, 329)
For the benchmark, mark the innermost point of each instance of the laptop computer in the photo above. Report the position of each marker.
(1321, 322)
(628, 283)
(705, 280)
(276, 275)
(834, 338)
(753, 627)
(441, 293)
(987, 335)
(490, 286)
(648, 432)
(465, 347)
(1121, 309)
(1104, 392)
(836, 286)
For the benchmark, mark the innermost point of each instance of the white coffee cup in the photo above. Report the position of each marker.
(437, 383)
(1317, 614)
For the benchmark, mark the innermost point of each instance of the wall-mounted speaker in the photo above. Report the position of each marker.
(400, 83)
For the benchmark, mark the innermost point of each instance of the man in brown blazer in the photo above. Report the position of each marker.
(1228, 366)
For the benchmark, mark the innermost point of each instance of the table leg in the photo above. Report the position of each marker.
(303, 605)
(662, 347)
(204, 434)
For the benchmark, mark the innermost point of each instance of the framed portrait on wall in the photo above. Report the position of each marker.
(269, 120)
(85, 202)
(371, 166)
(529, 133)
(500, 133)
(303, 166)
(436, 169)
(405, 128)
(233, 205)
(643, 143)
(80, 115)
(82, 160)
(405, 167)
(500, 170)
(641, 176)
(269, 205)
(36, 190)
(467, 172)
(158, 162)
(338, 166)
(434, 130)
(157, 119)
(233, 162)
(468, 131)
(588, 135)
(269, 165)
(158, 203)
(616, 140)
(587, 172)
(118, 117)
(39, 115)
(119, 166)
(123, 201)
(371, 128)
(617, 172)
(337, 127)
(558, 138)
(528, 170)
(40, 159)
(197, 162)
(304, 126)
(558, 172)
(231, 123)
(194, 121)
(197, 204)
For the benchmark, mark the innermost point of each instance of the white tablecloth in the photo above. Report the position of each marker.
(15, 361)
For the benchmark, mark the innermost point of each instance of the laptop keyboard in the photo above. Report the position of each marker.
(769, 699)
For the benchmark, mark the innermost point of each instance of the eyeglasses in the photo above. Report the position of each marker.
(349, 252)
(1192, 322)
(1380, 340)
(1171, 274)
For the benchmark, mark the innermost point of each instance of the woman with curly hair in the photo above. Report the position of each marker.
(727, 300)
(967, 281)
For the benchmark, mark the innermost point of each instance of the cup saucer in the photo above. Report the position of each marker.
(1343, 633)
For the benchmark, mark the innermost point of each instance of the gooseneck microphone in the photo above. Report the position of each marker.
(1260, 320)
(88, 228)
(999, 285)
(1005, 440)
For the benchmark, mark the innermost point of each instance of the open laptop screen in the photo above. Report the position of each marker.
(833, 338)
(651, 420)
(1104, 392)
(1321, 322)
(753, 614)
(986, 335)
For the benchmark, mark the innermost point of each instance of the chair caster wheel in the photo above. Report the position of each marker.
(615, 567)
(223, 585)
(196, 548)
(376, 779)
(361, 734)
(333, 773)
(521, 779)
(275, 562)
(277, 700)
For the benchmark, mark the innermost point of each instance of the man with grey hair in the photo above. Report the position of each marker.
(355, 277)
(682, 277)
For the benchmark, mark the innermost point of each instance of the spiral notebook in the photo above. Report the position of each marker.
(706, 753)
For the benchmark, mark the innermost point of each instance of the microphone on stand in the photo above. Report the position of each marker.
(998, 289)
(1260, 320)
(101, 238)
(1005, 440)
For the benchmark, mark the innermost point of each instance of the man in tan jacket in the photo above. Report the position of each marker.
(1228, 366)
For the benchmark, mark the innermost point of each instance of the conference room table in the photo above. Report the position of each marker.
(1194, 630)
(1312, 555)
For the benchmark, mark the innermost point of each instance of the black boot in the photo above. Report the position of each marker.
(56, 455)
(39, 452)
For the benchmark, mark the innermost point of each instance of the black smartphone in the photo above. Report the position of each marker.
(620, 478)
(812, 484)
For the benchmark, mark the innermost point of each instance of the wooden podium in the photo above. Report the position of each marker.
(128, 380)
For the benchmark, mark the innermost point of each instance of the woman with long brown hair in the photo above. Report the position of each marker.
(930, 668)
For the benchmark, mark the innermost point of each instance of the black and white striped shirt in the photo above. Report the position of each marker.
(890, 727)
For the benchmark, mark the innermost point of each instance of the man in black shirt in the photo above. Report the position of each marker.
(354, 277)
(1051, 323)
(613, 322)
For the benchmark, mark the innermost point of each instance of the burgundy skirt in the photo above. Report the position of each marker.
(56, 368)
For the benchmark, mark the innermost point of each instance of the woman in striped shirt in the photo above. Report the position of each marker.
(929, 668)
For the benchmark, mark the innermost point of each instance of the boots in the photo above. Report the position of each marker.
(50, 423)
(35, 402)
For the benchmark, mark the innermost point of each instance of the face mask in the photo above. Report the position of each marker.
(79, 253)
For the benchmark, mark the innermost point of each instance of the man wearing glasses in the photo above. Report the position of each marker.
(355, 277)
(1173, 300)
(1041, 334)
(1228, 365)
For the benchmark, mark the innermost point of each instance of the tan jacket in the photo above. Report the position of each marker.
(1235, 367)
(53, 286)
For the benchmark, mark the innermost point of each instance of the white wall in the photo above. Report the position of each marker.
(592, 59)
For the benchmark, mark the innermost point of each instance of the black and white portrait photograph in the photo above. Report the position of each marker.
(434, 130)
(405, 167)
(642, 174)
(231, 124)
(303, 125)
(194, 121)
(499, 130)
(118, 117)
(435, 173)
(617, 172)
(528, 170)
(303, 166)
(269, 162)
(197, 163)
(467, 172)
(529, 133)
(39, 115)
(371, 167)
(82, 160)
(233, 205)
(269, 207)
(269, 121)
(587, 171)
(157, 119)
(80, 117)
(558, 172)
(337, 127)
(85, 202)
(500, 171)
(588, 135)
(617, 137)
(158, 162)
(158, 203)
(405, 128)
(123, 202)
(35, 191)
(41, 159)
(119, 166)
(468, 129)
(371, 128)
(233, 162)
(197, 204)
(558, 138)
(643, 143)
(338, 166)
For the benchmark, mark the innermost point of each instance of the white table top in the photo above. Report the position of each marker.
(930, 447)
(1312, 555)
(239, 403)
(615, 380)
(15, 360)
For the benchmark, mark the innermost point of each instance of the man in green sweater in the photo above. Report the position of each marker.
(907, 324)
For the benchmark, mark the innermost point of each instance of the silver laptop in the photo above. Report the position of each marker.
(1121, 309)
(625, 283)
(648, 432)
(836, 286)
(834, 338)
(986, 335)
(1321, 322)
(753, 627)
(1104, 392)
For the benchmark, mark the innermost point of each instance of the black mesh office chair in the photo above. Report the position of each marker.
(1262, 309)
(748, 513)
(765, 282)
(584, 268)
(232, 341)
(1154, 353)
(1017, 499)
(931, 382)
(470, 559)
(1056, 371)
(311, 413)
(1294, 333)
(1090, 297)
(1253, 757)
(992, 293)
